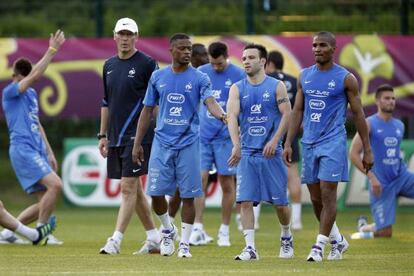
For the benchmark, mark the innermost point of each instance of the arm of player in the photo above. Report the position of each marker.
(295, 121)
(103, 142)
(143, 125)
(215, 109)
(233, 111)
(352, 91)
(283, 104)
(355, 156)
(50, 154)
(56, 40)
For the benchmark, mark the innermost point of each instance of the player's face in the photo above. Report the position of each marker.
(125, 41)
(181, 51)
(199, 59)
(386, 102)
(252, 62)
(219, 64)
(322, 50)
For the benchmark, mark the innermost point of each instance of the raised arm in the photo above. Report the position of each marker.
(56, 40)
(295, 121)
(233, 111)
(283, 104)
(351, 86)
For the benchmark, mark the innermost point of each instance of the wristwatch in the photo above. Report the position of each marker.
(100, 136)
(223, 117)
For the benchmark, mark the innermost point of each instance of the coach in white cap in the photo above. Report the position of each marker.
(125, 80)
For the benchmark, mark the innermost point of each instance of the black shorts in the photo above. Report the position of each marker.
(119, 162)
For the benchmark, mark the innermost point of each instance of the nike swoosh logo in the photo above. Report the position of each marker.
(306, 82)
(275, 198)
(335, 175)
(194, 191)
(109, 72)
(244, 97)
(162, 85)
(137, 170)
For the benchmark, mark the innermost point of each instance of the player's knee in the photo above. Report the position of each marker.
(56, 185)
(128, 188)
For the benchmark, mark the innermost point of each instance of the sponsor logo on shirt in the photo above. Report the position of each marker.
(257, 131)
(317, 104)
(315, 117)
(390, 141)
(257, 119)
(317, 93)
(176, 98)
(256, 109)
(176, 111)
(216, 93)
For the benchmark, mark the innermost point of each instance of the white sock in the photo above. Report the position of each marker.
(27, 232)
(296, 212)
(249, 237)
(256, 212)
(321, 240)
(285, 231)
(335, 234)
(172, 219)
(186, 232)
(224, 229)
(117, 236)
(6, 233)
(153, 235)
(198, 225)
(165, 221)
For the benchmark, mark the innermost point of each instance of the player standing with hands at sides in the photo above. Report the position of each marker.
(389, 177)
(260, 105)
(31, 155)
(125, 79)
(178, 89)
(324, 91)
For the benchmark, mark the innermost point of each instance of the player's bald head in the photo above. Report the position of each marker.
(328, 36)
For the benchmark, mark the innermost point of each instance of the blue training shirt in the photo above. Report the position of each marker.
(22, 116)
(325, 103)
(178, 96)
(259, 116)
(385, 138)
(211, 129)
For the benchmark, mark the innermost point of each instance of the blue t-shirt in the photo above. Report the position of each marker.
(385, 138)
(178, 96)
(259, 116)
(22, 116)
(211, 129)
(325, 103)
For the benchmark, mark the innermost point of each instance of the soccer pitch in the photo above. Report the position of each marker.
(85, 231)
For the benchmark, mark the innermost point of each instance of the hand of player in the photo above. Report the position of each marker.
(287, 155)
(269, 150)
(57, 39)
(375, 185)
(138, 154)
(103, 147)
(235, 156)
(368, 161)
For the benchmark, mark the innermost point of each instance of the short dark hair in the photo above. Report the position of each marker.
(330, 36)
(217, 49)
(262, 50)
(22, 66)
(276, 58)
(383, 88)
(198, 49)
(178, 36)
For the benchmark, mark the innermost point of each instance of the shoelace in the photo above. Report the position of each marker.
(285, 246)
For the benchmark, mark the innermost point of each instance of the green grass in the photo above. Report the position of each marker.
(85, 231)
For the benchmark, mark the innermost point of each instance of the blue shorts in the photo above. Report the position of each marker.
(170, 169)
(217, 154)
(326, 161)
(383, 208)
(30, 167)
(260, 179)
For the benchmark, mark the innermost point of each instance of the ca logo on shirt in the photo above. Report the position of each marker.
(175, 111)
(256, 109)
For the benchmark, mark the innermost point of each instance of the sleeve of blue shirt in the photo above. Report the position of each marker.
(152, 95)
(11, 91)
(205, 87)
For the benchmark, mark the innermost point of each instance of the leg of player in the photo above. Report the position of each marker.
(227, 202)
(286, 238)
(169, 231)
(198, 235)
(187, 221)
(142, 208)
(247, 220)
(256, 212)
(174, 205)
(295, 192)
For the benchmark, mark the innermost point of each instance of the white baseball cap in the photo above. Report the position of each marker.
(126, 24)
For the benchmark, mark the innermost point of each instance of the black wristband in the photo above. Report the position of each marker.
(100, 136)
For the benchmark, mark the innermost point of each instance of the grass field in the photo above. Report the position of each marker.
(85, 231)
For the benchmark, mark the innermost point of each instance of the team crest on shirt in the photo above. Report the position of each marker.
(398, 132)
(331, 84)
(131, 73)
(188, 87)
(266, 96)
(228, 83)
